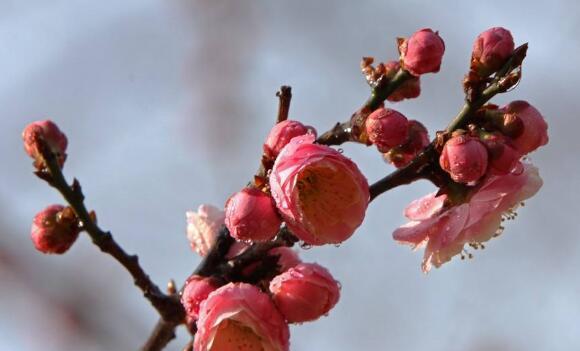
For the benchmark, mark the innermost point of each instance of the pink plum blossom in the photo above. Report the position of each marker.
(422, 52)
(251, 216)
(239, 316)
(305, 292)
(465, 158)
(282, 133)
(386, 128)
(321, 195)
(54, 230)
(53, 138)
(444, 229)
(491, 50)
(195, 291)
(203, 227)
(535, 128)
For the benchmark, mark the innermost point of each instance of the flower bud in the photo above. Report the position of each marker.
(53, 139)
(203, 227)
(54, 229)
(321, 195)
(503, 157)
(491, 50)
(305, 292)
(422, 52)
(464, 158)
(534, 132)
(195, 291)
(282, 133)
(410, 89)
(251, 216)
(287, 257)
(240, 317)
(386, 128)
(417, 140)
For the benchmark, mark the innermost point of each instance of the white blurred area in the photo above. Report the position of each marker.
(166, 104)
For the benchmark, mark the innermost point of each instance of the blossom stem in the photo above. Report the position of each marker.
(350, 130)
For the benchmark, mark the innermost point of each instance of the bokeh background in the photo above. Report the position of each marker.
(166, 104)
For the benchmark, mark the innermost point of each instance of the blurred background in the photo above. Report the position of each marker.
(166, 105)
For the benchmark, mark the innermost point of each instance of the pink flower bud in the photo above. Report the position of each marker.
(282, 133)
(417, 140)
(321, 194)
(422, 52)
(503, 157)
(491, 50)
(53, 138)
(410, 89)
(54, 229)
(240, 317)
(251, 216)
(196, 290)
(287, 259)
(464, 158)
(305, 292)
(203, 227)
(386, 128)
(535, 128)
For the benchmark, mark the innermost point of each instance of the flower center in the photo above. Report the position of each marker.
(325, 194)
(234, 336)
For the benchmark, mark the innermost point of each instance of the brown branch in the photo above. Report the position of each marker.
(284, 95)
(164, 331)
(168, 306)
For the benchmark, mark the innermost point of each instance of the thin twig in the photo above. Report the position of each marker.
(284, 95)
(168, 307)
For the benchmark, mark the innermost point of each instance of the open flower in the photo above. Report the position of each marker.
(320, 194)
(240, 317)
(444, 229)
(203, 227)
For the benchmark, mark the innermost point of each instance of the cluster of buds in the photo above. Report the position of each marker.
(495, 143)
(488, 179)
(230, 314)
(398, 138)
